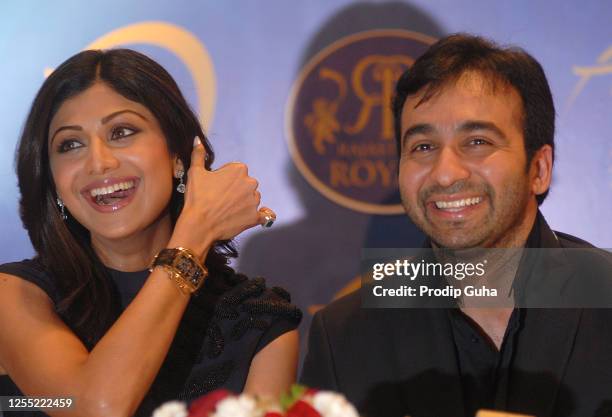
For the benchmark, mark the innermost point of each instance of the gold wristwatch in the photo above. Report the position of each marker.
(183, 268)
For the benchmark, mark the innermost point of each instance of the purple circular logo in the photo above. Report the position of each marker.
(339, 118)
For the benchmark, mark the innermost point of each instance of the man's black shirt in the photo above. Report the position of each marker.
(425, 362)
(483, 368)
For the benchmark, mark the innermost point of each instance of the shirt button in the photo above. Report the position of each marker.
(474, 339)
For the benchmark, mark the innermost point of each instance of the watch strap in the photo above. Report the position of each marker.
(183, 267)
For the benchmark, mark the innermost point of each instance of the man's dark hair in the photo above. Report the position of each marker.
(449, 58)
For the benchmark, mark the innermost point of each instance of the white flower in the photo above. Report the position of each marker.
(241, 406)
(331, 404)
(171, 409)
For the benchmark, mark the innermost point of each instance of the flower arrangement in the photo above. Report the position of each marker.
(299, 402)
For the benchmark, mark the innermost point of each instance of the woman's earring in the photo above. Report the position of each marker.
(181, 186)
(62, 209)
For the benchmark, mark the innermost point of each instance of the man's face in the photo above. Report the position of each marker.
(463, 177)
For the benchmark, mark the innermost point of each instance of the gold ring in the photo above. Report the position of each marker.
(268, 216)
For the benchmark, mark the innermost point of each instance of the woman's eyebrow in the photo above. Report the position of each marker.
(71, 127)
(106, 119)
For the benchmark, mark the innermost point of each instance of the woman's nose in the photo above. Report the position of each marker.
(101, 157)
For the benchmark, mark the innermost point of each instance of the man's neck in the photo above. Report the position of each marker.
(493, 322)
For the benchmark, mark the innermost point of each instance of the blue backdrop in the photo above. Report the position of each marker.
(236, 61)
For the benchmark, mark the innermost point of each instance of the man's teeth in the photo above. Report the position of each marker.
(111, 188)
(458, 203)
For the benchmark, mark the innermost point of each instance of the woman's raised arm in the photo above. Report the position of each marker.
(45, 358)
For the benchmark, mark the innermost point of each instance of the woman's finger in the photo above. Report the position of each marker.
(198, 154)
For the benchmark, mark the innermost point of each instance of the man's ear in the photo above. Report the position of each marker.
(541, 169)
(178, 167)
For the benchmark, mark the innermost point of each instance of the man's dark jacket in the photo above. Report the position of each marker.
(403, 362)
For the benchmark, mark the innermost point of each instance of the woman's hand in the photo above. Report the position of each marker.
(219, 204)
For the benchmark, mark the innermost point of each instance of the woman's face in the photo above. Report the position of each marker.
(110, 164)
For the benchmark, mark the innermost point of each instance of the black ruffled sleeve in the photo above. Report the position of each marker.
(264, 313)
(224, 327)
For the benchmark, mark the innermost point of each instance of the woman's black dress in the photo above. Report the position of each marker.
(225, 324)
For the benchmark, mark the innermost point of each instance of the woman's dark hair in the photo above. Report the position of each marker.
(449, 58)
(88, 301)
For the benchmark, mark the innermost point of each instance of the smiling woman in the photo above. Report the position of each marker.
(108, 154)
(115, 178)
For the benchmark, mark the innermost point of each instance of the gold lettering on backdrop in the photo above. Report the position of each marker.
(603, 67)
(385, 173)
(365, 150)
(384, 70)
(338, 174)
(322, 121)
(362, 173)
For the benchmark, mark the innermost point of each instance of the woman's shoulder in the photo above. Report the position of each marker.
(26, 267)
(32, 270)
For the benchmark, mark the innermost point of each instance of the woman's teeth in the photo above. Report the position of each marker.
(101, 191)
(458, 203)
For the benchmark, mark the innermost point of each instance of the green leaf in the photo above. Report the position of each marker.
(295, 393)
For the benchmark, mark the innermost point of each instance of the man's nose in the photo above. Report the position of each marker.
(449, 168)
(101, 157)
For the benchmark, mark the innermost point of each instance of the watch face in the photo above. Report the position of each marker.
(188, 274)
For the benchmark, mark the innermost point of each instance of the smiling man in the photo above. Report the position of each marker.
(475, 130)
(464, 174)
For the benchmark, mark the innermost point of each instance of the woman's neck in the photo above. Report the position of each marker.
(135, 252)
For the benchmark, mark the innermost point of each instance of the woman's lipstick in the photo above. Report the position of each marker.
(110, 194)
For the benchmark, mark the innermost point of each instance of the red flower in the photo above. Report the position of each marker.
(273, 414)
(302, 409)
(206, 405)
